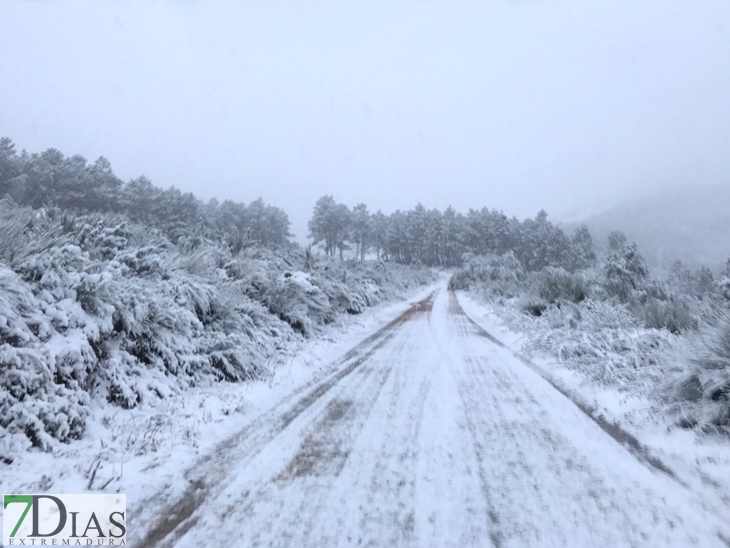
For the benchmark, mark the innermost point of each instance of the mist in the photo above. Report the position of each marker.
(572, 107)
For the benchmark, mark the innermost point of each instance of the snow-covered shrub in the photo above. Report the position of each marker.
(673, 314)
(329, 287)
(697, 392)
(18, 309)
(501, 275)
(723, 286)
(16, 223)
(299, 302)
(659, 306)
(602, 340)
(104, 237)
(312, 299)
(557, 284)
(98, 306)
(41, 376)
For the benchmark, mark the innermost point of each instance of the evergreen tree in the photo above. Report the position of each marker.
(583, 254)
(330, 224)
(379, 223)
(361, 229)
(616, 240)
(625, 271)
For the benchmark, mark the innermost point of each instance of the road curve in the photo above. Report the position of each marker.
(431, 434)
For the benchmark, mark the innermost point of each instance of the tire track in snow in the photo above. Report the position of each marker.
(389, 485)
(304, 471)
(205, 478)
(504, 439)
(470, 407)
(392, 485)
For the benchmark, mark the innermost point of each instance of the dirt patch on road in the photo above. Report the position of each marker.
(336, 410)
(424, 306)
(321, 452)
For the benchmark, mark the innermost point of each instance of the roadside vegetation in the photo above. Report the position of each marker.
(122, 293)
(613, 324)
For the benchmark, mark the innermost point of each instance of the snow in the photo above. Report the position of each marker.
(144, 451)
(348, 421)
(700, 462)
(418, 431)
(430, 434)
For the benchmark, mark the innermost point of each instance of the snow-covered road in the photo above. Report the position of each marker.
(429, 433)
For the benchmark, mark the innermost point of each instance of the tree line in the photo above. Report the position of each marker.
(441, 238)
(429, 237)
(50, 179)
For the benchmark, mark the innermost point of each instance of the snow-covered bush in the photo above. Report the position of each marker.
(299, 302)
(616, 326)
(16, 223)
(557, 284)
(697, 389)
(673, 313)
(98, 306)
(500, 274)
(602, 340)
(723, 286)
(40, 374)
(661, 306)
(328, 288)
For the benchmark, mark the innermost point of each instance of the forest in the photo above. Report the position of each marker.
(441, 239)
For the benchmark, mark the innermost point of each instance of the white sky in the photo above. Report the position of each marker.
(567, 105)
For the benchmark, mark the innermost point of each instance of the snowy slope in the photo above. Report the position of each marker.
(691, 224)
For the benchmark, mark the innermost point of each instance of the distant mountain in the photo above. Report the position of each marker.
(691, 224)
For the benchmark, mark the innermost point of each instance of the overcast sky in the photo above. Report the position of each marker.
(519, 105)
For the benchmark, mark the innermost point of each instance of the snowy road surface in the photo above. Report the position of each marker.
(430, 434)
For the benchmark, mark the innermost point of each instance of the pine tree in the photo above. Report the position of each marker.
(361, 229)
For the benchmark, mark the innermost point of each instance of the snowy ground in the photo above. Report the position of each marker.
(702, 462)
(144, 452)
(427, 433)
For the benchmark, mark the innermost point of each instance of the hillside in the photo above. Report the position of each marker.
(691, 224)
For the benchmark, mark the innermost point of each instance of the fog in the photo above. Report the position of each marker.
(568, 106)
